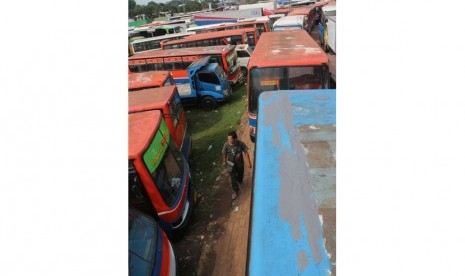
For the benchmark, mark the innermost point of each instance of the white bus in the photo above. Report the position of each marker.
(153, 43)
(290, 22)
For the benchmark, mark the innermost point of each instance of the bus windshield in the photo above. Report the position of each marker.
(142, 244)
(285, 78)
(175, 109)
(231, 59)
(169, 174)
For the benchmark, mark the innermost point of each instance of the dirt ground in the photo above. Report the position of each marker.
(206, 247)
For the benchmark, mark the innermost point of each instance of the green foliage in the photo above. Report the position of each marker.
(153, 9)
(132, 4)
(211, 129)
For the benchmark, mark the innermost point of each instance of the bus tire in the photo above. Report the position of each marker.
(208, 103)
(244, 71)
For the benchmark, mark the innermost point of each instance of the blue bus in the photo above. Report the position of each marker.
(292, 228)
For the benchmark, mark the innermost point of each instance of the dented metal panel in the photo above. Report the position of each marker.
(293, 222)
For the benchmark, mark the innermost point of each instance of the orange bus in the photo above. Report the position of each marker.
(176, 61)
(234, 37)
(166, 99)
(311, 12)
(261, 25)
(150, 79)
(286, 60)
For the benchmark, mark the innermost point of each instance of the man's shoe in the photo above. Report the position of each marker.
(234, 196)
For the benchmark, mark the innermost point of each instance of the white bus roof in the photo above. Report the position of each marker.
(290, 20)
(196, 28)
(329, 8)
(162, 37)
(254, 19)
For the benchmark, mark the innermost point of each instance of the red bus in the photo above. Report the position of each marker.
(166, 99)
(176, 61)
(261, 25)
(158, 173)
(234, 37)
(285, 60)
(311, 12)
(151, 79)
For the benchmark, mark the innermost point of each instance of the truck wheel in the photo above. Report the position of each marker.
(208, 103)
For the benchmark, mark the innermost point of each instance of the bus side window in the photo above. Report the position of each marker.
(169, 65)
(187, 64)
(178, 65)
(138, 68)
(155, 66)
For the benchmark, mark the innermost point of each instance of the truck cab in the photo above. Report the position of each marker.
(208, 85)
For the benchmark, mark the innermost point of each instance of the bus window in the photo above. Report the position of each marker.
(191, 44)
(209, 77)
(235, 40)
(155, 67)
(187, 63)
(217, 59)
(242, 54)
(138, 68)
(154, 44)
(159, 32)
(174, 65)
(176, 111)
(168, 175)
(137, 195)
(307, 77)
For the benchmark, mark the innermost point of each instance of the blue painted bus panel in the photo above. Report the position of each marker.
(293, 221)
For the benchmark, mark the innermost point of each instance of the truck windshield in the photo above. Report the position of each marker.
(220, 72)
(142, 244)
(285, 78)
(169, 174)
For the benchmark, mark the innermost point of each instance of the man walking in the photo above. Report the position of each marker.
(232, 151)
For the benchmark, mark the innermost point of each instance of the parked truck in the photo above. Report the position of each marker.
(208, 85)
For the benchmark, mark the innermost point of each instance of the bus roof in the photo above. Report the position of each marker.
(241, 23)
(184, 52)
(293, 47)
(300, 11)
(202, 27)
(254, 19)
(162, 37)
(294, 188)
(290, 20)
(142, 127)
(210, 35)
(147, 79)
(150, 99)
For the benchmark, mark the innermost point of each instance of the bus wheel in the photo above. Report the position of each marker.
(244, 71)
(208, 103)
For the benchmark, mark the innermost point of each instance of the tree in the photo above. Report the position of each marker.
(132, 5)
